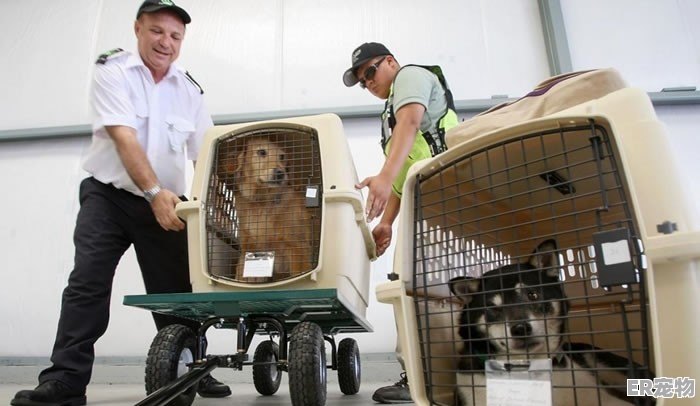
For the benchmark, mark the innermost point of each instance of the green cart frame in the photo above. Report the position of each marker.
(303, 320)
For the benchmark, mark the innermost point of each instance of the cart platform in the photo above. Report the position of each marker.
(321, 306)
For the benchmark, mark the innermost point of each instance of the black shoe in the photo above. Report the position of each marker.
(50, 393)
(396, 393)
(209, 387)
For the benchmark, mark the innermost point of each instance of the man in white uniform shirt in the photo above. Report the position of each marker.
(149, 118)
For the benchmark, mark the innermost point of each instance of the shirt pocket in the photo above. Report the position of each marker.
(141, 112)
(179, 131)
(141, 109)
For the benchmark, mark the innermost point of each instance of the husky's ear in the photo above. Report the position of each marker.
(463, 287)
(545, 256)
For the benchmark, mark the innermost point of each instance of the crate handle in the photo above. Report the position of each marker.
(354, 197)
(183, 209)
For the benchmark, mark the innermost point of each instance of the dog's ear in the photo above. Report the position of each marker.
(240, 158)
(228, 151)
(463, 287)
(226, 164)
(545, 256)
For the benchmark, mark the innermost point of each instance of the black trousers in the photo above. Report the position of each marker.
(110, 220)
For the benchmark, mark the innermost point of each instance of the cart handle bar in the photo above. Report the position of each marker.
(162, 396)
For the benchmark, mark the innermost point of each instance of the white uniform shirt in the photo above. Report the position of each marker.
(170, 120)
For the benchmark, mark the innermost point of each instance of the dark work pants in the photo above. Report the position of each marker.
(109, 221)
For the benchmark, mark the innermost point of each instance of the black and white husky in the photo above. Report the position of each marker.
(517, 313)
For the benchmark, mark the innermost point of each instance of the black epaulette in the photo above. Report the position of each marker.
(194, 82)
(102, 59)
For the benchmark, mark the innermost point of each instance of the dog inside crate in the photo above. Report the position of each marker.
(533, 242)
(263, 208)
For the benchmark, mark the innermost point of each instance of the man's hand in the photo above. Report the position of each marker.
(163, 206)
(140, 171)
(379, 193)
(382, 237)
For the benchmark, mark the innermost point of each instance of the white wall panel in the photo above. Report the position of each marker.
(47, 50)
(477, 43)
(233, 49)
(653, 43)
(40, 181)
(682, 123)
(267, 55)
(514, 58)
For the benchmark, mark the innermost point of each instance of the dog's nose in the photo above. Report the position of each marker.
(521, 330)
(279, 175)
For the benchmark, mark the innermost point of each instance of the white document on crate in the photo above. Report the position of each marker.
(258, 264)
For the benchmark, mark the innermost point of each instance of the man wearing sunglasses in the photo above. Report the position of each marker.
(419, 109)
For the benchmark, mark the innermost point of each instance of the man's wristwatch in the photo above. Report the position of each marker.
(151, 193)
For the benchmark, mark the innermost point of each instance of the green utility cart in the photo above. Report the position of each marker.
(298, 324)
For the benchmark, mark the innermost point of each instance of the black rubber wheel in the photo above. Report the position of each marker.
(266, 377)
(349, 375)
(171, 350)
(307, 365)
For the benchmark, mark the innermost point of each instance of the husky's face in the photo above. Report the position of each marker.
(516, 311)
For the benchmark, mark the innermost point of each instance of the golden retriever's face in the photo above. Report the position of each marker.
(263, 162)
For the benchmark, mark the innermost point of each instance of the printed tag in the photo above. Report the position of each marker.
(258, 264)
(616, 252)
(516, 392)
(311, 192)
(527, 383)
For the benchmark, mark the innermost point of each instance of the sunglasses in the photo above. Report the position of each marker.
(370, 72)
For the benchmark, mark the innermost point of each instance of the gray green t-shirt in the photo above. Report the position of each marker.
(414, 84)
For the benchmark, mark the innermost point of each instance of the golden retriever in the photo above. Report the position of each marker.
(271, 214)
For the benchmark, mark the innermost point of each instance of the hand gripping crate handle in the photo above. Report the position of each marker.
(354, 197)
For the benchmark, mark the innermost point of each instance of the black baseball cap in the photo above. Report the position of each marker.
(150, 6)
(360, 55)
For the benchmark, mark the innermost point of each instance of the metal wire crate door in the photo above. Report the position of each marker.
(481, 219)
(263, 207)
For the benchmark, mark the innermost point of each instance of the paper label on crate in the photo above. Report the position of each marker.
(519, 383)
(518, 392)
(616, 252)
(311, 192)
(258, 264)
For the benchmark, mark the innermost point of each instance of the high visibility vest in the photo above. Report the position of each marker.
(428, 143)
(434, 138)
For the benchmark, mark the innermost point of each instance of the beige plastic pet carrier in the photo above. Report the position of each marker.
(274, 207)
(567, 239)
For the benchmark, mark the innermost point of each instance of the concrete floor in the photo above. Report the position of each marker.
(121, 385)
(243, 395)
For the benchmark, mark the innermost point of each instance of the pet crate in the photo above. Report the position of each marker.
(274, 206)
(598, 180)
